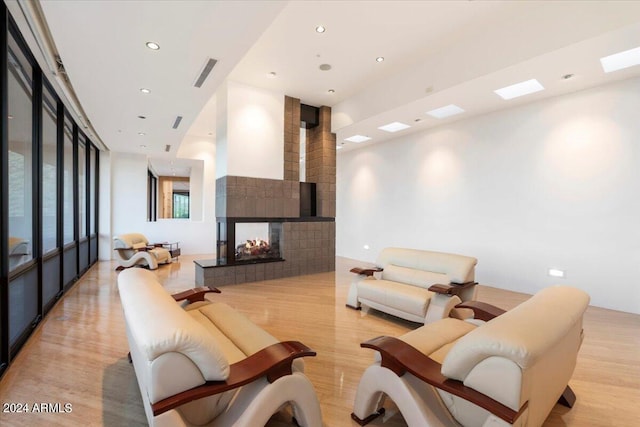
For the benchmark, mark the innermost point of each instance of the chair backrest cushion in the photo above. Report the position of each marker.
(527, 354)
(522, 334)
(130, 241)
(440, 266)
(158, 325)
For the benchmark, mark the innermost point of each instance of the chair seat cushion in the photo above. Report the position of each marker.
(436, 339)
(162, 255)
(400, 296)
(235, 334)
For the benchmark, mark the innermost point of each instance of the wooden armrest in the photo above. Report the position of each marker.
(482, 310)
(195, 294)
(451, 288)
(273, 362)
(366, 271)
(400, 357)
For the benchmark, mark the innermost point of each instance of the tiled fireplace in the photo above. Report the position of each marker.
(261, 234)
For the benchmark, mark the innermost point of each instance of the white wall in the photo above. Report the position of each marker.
(251, 132)
(552, 184)
(129, 203)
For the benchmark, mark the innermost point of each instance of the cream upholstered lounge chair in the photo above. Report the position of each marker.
(134, 249)
(510, 370)
(206, 364)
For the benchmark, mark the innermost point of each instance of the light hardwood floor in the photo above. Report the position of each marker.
(78, 354)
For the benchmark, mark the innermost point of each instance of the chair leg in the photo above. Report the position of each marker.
(368, 419)
(568, 398)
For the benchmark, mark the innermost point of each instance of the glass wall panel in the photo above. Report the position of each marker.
(20, 173)
(23, 303)
(92, 190)
(68, 201)
(49, 171)
(82, 186)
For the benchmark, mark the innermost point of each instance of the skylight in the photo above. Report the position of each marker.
(621, 60)
(447, 111)
(520, 89)
(394, 127)
(357, 138)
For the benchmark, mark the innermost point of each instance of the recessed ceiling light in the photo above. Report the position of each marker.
(357, 138)
(145, 90)
(325, 67)
(418, 120)
(320, 29)
(142, 117)
(621, 60)
(153, 45)
(141, 133)
(331, 91)
(394, 127)
(143, 146)
(272, 75)
(519, 89)
(380, 59)
(568, 76)
(447, 111)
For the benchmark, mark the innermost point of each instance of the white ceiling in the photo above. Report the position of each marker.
(436, 53)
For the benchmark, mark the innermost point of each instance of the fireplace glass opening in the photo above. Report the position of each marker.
(249, 242)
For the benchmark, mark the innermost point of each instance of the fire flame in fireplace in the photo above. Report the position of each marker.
(253, 248)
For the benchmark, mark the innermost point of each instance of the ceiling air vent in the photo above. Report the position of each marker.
(208, 66)
(167, 148)
(177, 122)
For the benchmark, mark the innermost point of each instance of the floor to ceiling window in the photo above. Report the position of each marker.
(23, 290)
(49, 198)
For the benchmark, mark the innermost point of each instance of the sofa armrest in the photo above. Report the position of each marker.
(366, 271)
(451, 288)
(400, 357)
(482, 310)
(195, 294)
(273, 362)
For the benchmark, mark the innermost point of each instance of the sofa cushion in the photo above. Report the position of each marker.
(413, 276)
(409, 299)
(458, 268)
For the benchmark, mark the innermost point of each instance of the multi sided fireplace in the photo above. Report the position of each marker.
(248, 240)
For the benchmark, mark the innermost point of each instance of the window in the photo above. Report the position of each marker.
(152, 196)
(69, 200)
(49, 171)
(20, 174)
(180, 204)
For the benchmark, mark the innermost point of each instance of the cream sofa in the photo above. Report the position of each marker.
(510, 370)
(205, 364)
(134, 249)
(416, 285)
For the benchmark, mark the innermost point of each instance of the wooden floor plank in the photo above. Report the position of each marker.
(78, 354)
